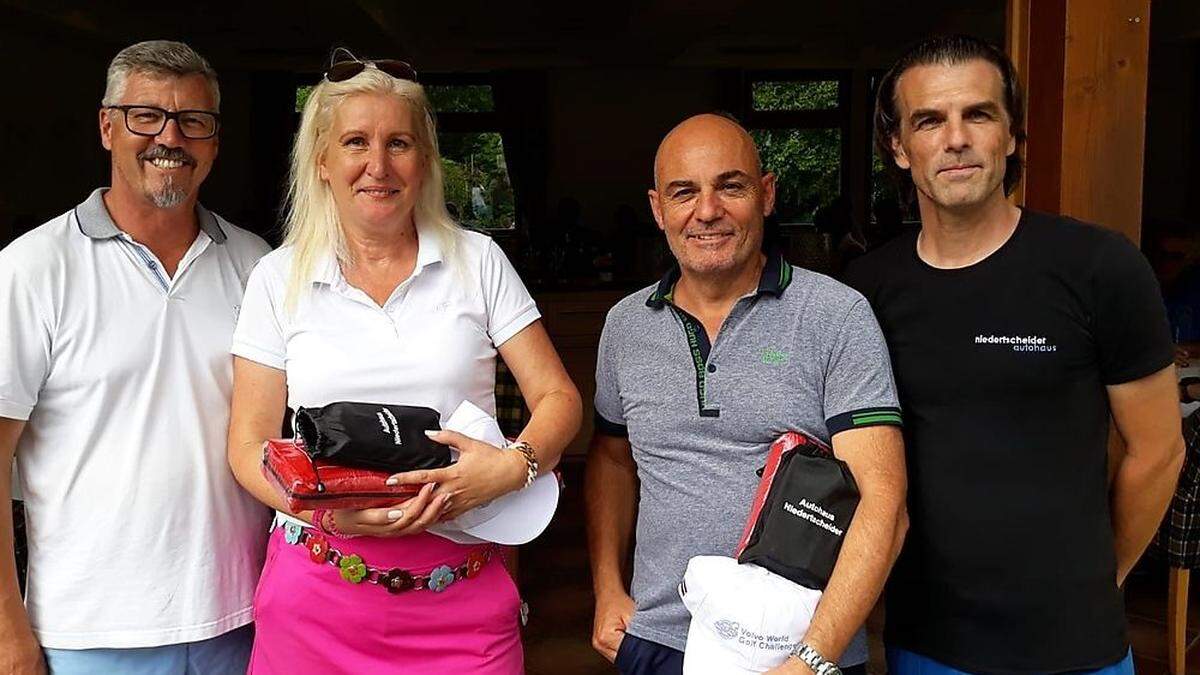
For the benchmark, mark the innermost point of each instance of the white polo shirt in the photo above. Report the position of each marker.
(433, 343)
(138, 534)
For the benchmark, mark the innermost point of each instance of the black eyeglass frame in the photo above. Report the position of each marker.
(344, 69)
(167, 117)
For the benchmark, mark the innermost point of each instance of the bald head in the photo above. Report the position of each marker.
(710, 197)
(705, 138)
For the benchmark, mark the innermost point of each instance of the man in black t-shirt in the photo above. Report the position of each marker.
(1013, 335)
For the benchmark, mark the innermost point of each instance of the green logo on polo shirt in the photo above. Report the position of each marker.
(774, 357)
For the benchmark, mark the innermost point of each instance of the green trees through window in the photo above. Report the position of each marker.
(804, 152)
(479, 193)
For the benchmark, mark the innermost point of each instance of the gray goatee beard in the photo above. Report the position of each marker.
(168, 196)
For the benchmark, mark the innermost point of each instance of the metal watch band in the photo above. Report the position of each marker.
(813, 659)
(531, 462)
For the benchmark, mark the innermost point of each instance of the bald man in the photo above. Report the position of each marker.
(696, 376)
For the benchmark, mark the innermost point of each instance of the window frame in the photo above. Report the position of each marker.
(839, 118)
(472, 122)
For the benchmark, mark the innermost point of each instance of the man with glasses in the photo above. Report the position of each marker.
(114, 397)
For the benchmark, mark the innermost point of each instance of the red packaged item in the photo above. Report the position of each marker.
(309, 484)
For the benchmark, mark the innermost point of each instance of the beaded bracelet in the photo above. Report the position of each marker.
(332, 529)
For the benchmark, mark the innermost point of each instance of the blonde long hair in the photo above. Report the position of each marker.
(313, 228)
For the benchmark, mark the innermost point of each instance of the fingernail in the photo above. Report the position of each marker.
(395, 514)
(432, 432)
(391, 481)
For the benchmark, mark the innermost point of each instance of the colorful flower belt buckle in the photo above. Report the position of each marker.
(352, 568)
(440, 578)
(318, 548)
(397, 580)
(291, 532)
(475, 562)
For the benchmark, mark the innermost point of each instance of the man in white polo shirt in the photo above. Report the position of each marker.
(114, 396)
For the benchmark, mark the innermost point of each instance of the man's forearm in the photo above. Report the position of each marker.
(14, 623)
(872, 543)
(610, 494)
(1141, 490)
(12, 607)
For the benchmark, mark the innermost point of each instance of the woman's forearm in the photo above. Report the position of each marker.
(552, 426)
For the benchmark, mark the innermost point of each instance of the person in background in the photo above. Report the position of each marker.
(114, 396)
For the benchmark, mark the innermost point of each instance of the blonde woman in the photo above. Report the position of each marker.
(378, 296)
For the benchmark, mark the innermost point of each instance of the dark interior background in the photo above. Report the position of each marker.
(586, 90)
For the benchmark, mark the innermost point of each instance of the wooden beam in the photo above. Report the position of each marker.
(1177, 603)
(1038, 47)
(1016, 43)
(1104, 112)
(1084, 64)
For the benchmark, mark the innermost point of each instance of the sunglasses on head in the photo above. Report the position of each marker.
(350, 65)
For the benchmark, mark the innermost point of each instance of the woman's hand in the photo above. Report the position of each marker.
(482, 473)
(408, 517)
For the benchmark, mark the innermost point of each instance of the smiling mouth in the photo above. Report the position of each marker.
(167, 164)
(377, 192)
(707, 237)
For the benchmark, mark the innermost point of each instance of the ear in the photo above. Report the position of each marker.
(1012, 145)
(898, 153)
(655, 208)
(106, 128)
(322, 172)
(768, 186)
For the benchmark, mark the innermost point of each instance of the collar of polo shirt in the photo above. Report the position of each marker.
(775, 277)
(429, 251)
(95, 221)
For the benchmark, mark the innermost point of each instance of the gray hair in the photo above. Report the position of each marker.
(157, 57)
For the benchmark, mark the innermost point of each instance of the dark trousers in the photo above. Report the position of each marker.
(643, 657)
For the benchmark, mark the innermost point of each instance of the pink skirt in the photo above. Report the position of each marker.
(310, 620)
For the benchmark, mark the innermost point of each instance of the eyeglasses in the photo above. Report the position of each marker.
(346, 68)
(147, 120)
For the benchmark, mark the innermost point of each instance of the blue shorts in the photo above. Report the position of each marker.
(904, 662)
(226, 654)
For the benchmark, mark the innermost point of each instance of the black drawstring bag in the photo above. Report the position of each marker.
(810, 499)
(372, 436)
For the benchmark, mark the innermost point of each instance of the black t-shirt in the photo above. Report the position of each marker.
(1009, 564)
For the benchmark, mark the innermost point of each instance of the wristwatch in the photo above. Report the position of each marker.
(813, 659)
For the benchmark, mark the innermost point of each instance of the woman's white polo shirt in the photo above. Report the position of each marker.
(433, 343)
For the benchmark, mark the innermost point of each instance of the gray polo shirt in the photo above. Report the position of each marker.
(802, 352)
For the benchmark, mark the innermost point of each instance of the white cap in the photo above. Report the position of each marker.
(745, 619)
(515, 518)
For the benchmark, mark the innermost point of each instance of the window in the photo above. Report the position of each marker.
(799, 124)
(882, 190)
(302, 93)
(479, 193)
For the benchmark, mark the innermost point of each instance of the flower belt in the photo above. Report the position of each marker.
(355, 570)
